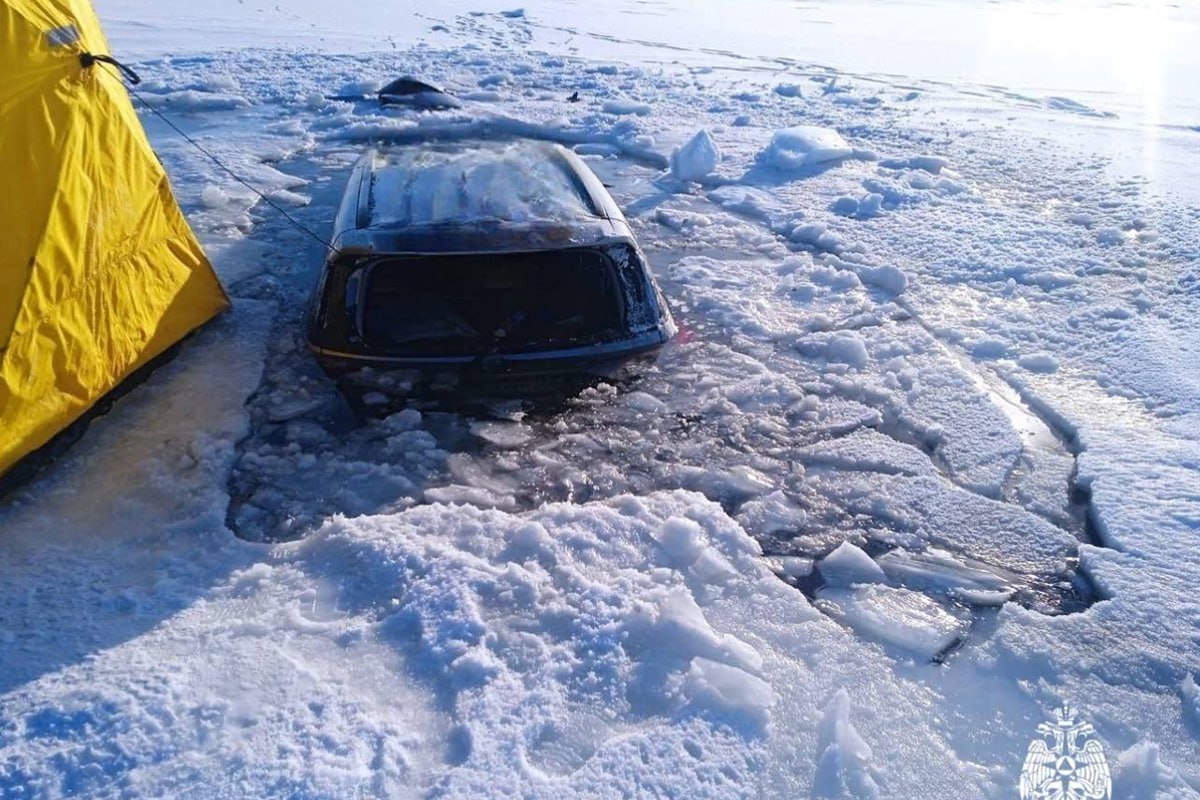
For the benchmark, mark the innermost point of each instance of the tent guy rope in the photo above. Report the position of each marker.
(88, 60)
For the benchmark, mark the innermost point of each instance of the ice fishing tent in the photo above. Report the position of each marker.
(99, 271)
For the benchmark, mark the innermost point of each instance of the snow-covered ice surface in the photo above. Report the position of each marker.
(923, 464)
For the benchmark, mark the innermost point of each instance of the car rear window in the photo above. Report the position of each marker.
(480, 304)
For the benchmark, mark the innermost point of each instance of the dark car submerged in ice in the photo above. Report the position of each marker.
(501, 269)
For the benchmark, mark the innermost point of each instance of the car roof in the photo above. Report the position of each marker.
(474, 196)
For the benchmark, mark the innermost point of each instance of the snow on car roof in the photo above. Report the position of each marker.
(519, 182)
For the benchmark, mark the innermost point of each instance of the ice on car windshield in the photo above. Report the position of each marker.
(508, 184)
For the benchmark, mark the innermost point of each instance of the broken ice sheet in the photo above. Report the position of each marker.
(505, 435)
(849, 565)
(903, 618)
(938, 570)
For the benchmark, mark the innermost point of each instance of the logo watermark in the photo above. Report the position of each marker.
(1066, 762)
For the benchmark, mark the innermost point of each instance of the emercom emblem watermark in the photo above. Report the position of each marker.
(1066, 762)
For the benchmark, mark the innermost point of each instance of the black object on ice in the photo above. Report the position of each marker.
(416, 94)
(488, 269)
(574, 98)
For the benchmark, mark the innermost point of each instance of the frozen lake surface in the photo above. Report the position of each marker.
(1129, 67)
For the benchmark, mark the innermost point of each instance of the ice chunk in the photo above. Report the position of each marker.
(712, 567)
(506, 435)
(808, 233)
(1189, 693)
(315, 101)
(868, 450)
(848, 565)
(979, 597)
(696, 159)
(1038, 362)
(950, 186)
(288, 127)
(772, 513)
(844, 760)
(290, 198)
(888, 278)
(847, 347)
(990, 349)
(938, 570)
(791, 566)
(934, 164)
(404, 420)
(728, 690)
(531, 538)
(739, 481)
(930, 164)
(744, 200)
(681, 220)
(966, 522)
(920, 181)
(626, 107)
(805, 146)
(360, 88)
(214, 196)
(1141, 773)
(846, 206)
(900, 617)
(871, 205)
(817, 235)
(463, 494)
(747, 480)
(645, 403)
(682, 539)
(678, 627)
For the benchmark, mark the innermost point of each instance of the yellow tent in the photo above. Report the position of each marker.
(99, 271)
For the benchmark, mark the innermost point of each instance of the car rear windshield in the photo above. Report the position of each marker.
(462, 305)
